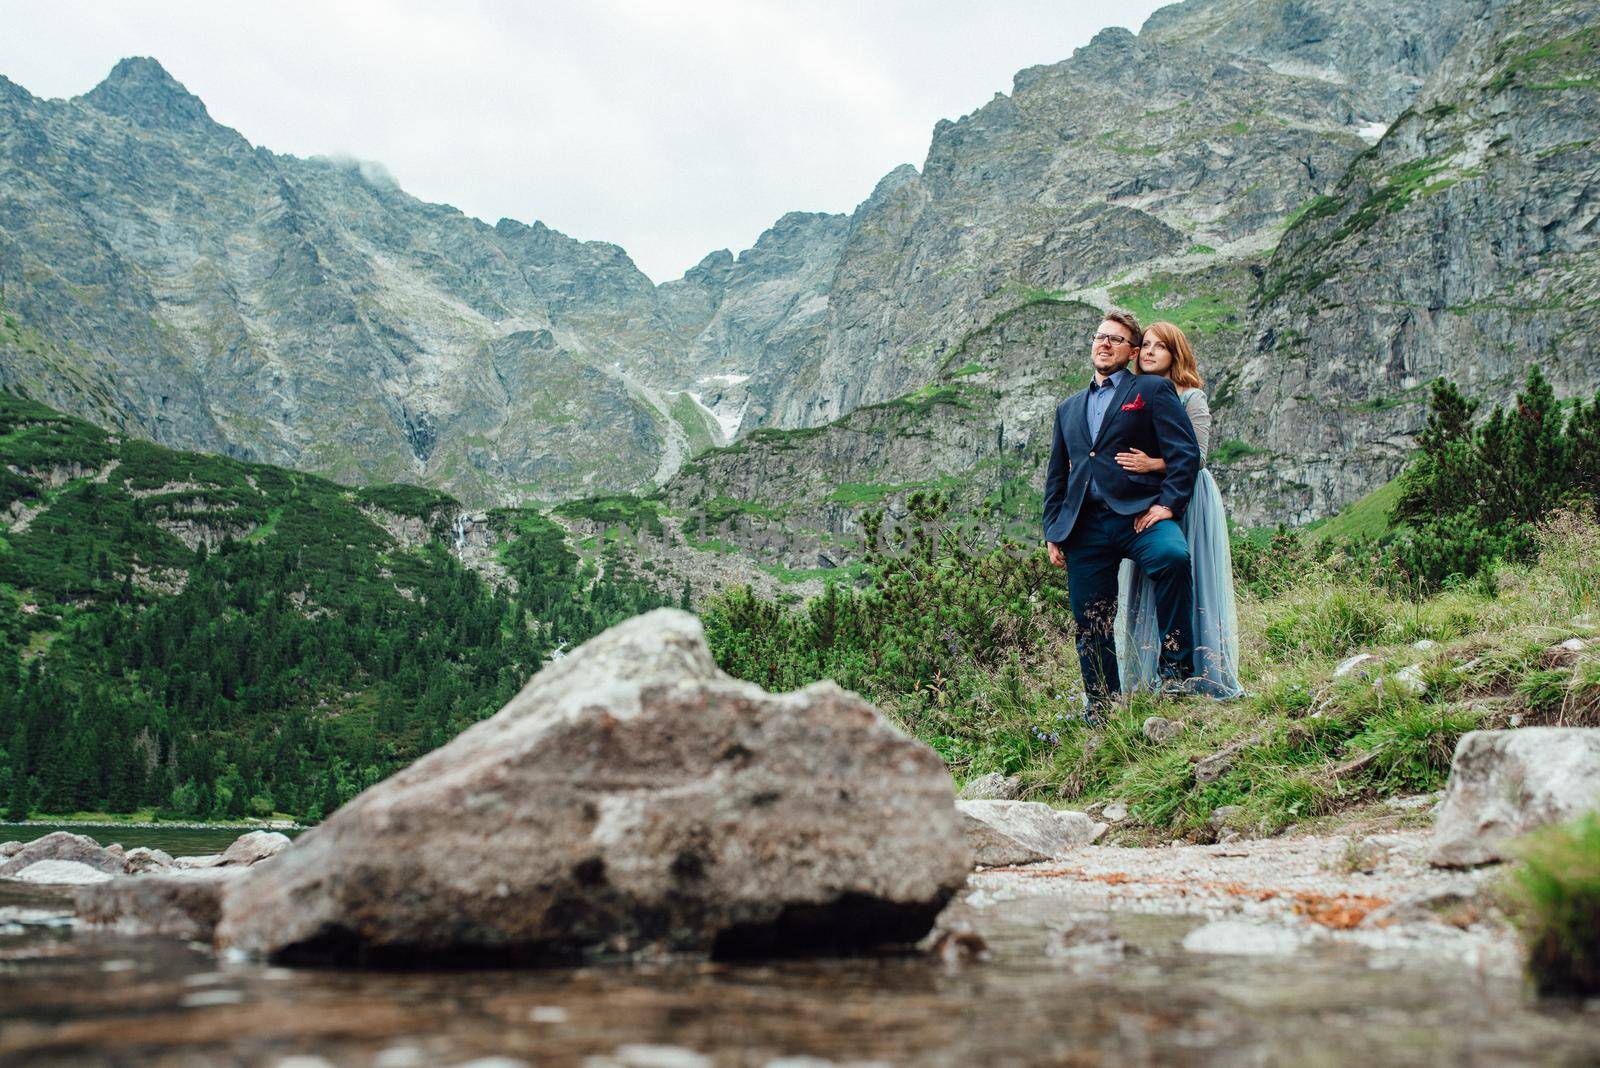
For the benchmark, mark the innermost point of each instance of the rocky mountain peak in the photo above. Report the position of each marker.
(713, 266)
(1380, 53)
(140, 89)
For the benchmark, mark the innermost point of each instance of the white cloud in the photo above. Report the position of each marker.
(669, 128)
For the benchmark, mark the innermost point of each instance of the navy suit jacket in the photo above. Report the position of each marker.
(1146, 414)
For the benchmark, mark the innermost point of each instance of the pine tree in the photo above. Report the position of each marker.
(18, 803)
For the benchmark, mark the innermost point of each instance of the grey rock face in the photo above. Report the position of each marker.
(1382, 53)
(981, 430)
(1021, 832)
(770, 311)
(1504, 784)
(307, 312)
(209, 294)
(1462, 245)
(630, 798)
(1084, 171)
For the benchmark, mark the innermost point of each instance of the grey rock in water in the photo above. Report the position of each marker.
(1504, 784)
(62, 873)
(992, 787)
(253, 848)
(9, 849)
(632, 798)
(181, 904)
(1246, 939)
(142, 859)
(1021, 832)
(63, 845)
(959, 944)
(1092, 937)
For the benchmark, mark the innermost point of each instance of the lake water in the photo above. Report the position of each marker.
(80, 997)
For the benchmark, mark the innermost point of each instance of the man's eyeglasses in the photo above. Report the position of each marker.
(1115, 339)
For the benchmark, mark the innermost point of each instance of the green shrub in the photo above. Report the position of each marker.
(1555, 899)
(1477, 489)
(1412, 744)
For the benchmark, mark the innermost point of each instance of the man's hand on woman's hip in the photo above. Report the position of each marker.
(1151, 516)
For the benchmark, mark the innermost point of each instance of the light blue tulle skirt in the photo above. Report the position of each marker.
(1216, 616)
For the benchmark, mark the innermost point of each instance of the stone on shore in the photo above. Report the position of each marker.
(203, 860)
(631, 799)
(9, 849)
(141, 859)
(992, 787)
(182, 904)
(1504, 784)
(1002, 833)
(64, 845)
(250, 848)
(62, 873)
(253, 848)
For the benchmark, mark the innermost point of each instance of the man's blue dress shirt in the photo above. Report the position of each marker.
(1099, 400)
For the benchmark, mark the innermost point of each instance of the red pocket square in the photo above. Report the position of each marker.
(1135, 405)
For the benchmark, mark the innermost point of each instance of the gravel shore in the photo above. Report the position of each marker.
(1275, 895)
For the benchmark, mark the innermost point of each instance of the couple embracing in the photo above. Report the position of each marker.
(1135, 518)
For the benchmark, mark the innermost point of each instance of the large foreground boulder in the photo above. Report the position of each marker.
(1021, 832)
(1504, 784)
(631, 798)
(64, 845)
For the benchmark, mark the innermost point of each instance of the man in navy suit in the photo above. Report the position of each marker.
(1096, 513)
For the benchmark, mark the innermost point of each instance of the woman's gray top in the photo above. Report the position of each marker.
(1194, 402)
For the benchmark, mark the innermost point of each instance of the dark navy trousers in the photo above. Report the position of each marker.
(1100, 540)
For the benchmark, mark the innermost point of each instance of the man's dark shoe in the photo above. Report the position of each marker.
(1092, 711)
(1175, 687)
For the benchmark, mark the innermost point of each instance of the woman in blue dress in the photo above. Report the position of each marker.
(1166, 351)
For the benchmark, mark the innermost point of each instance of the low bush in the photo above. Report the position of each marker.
(1555, 903)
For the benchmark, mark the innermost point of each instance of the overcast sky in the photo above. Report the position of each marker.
(672, 129)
